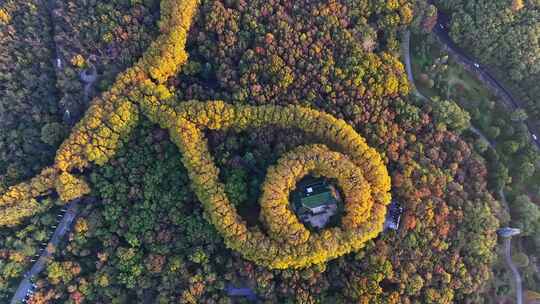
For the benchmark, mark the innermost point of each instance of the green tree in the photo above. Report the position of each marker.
(236, 186)
(520, 259)
(526, 215)
(519, 115)
(450, 114)
(53, 133)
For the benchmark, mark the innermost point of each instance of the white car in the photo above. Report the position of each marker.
(535, 137)
(476, 65)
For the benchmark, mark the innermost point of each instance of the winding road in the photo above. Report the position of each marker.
(63, 227)
(441, 32)
(507, 241)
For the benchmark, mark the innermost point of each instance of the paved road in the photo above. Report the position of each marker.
(64, 226)
(441, 31)
(513, 268)
(406, 52)
(87, 76)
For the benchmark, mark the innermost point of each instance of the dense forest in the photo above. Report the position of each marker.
(155, 234)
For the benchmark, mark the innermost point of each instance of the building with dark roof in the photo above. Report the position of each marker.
(317, 202)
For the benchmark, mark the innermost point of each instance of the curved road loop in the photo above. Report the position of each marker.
(63, 227)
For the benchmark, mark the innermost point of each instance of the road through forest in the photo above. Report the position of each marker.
(482, 74)
(64, 226)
